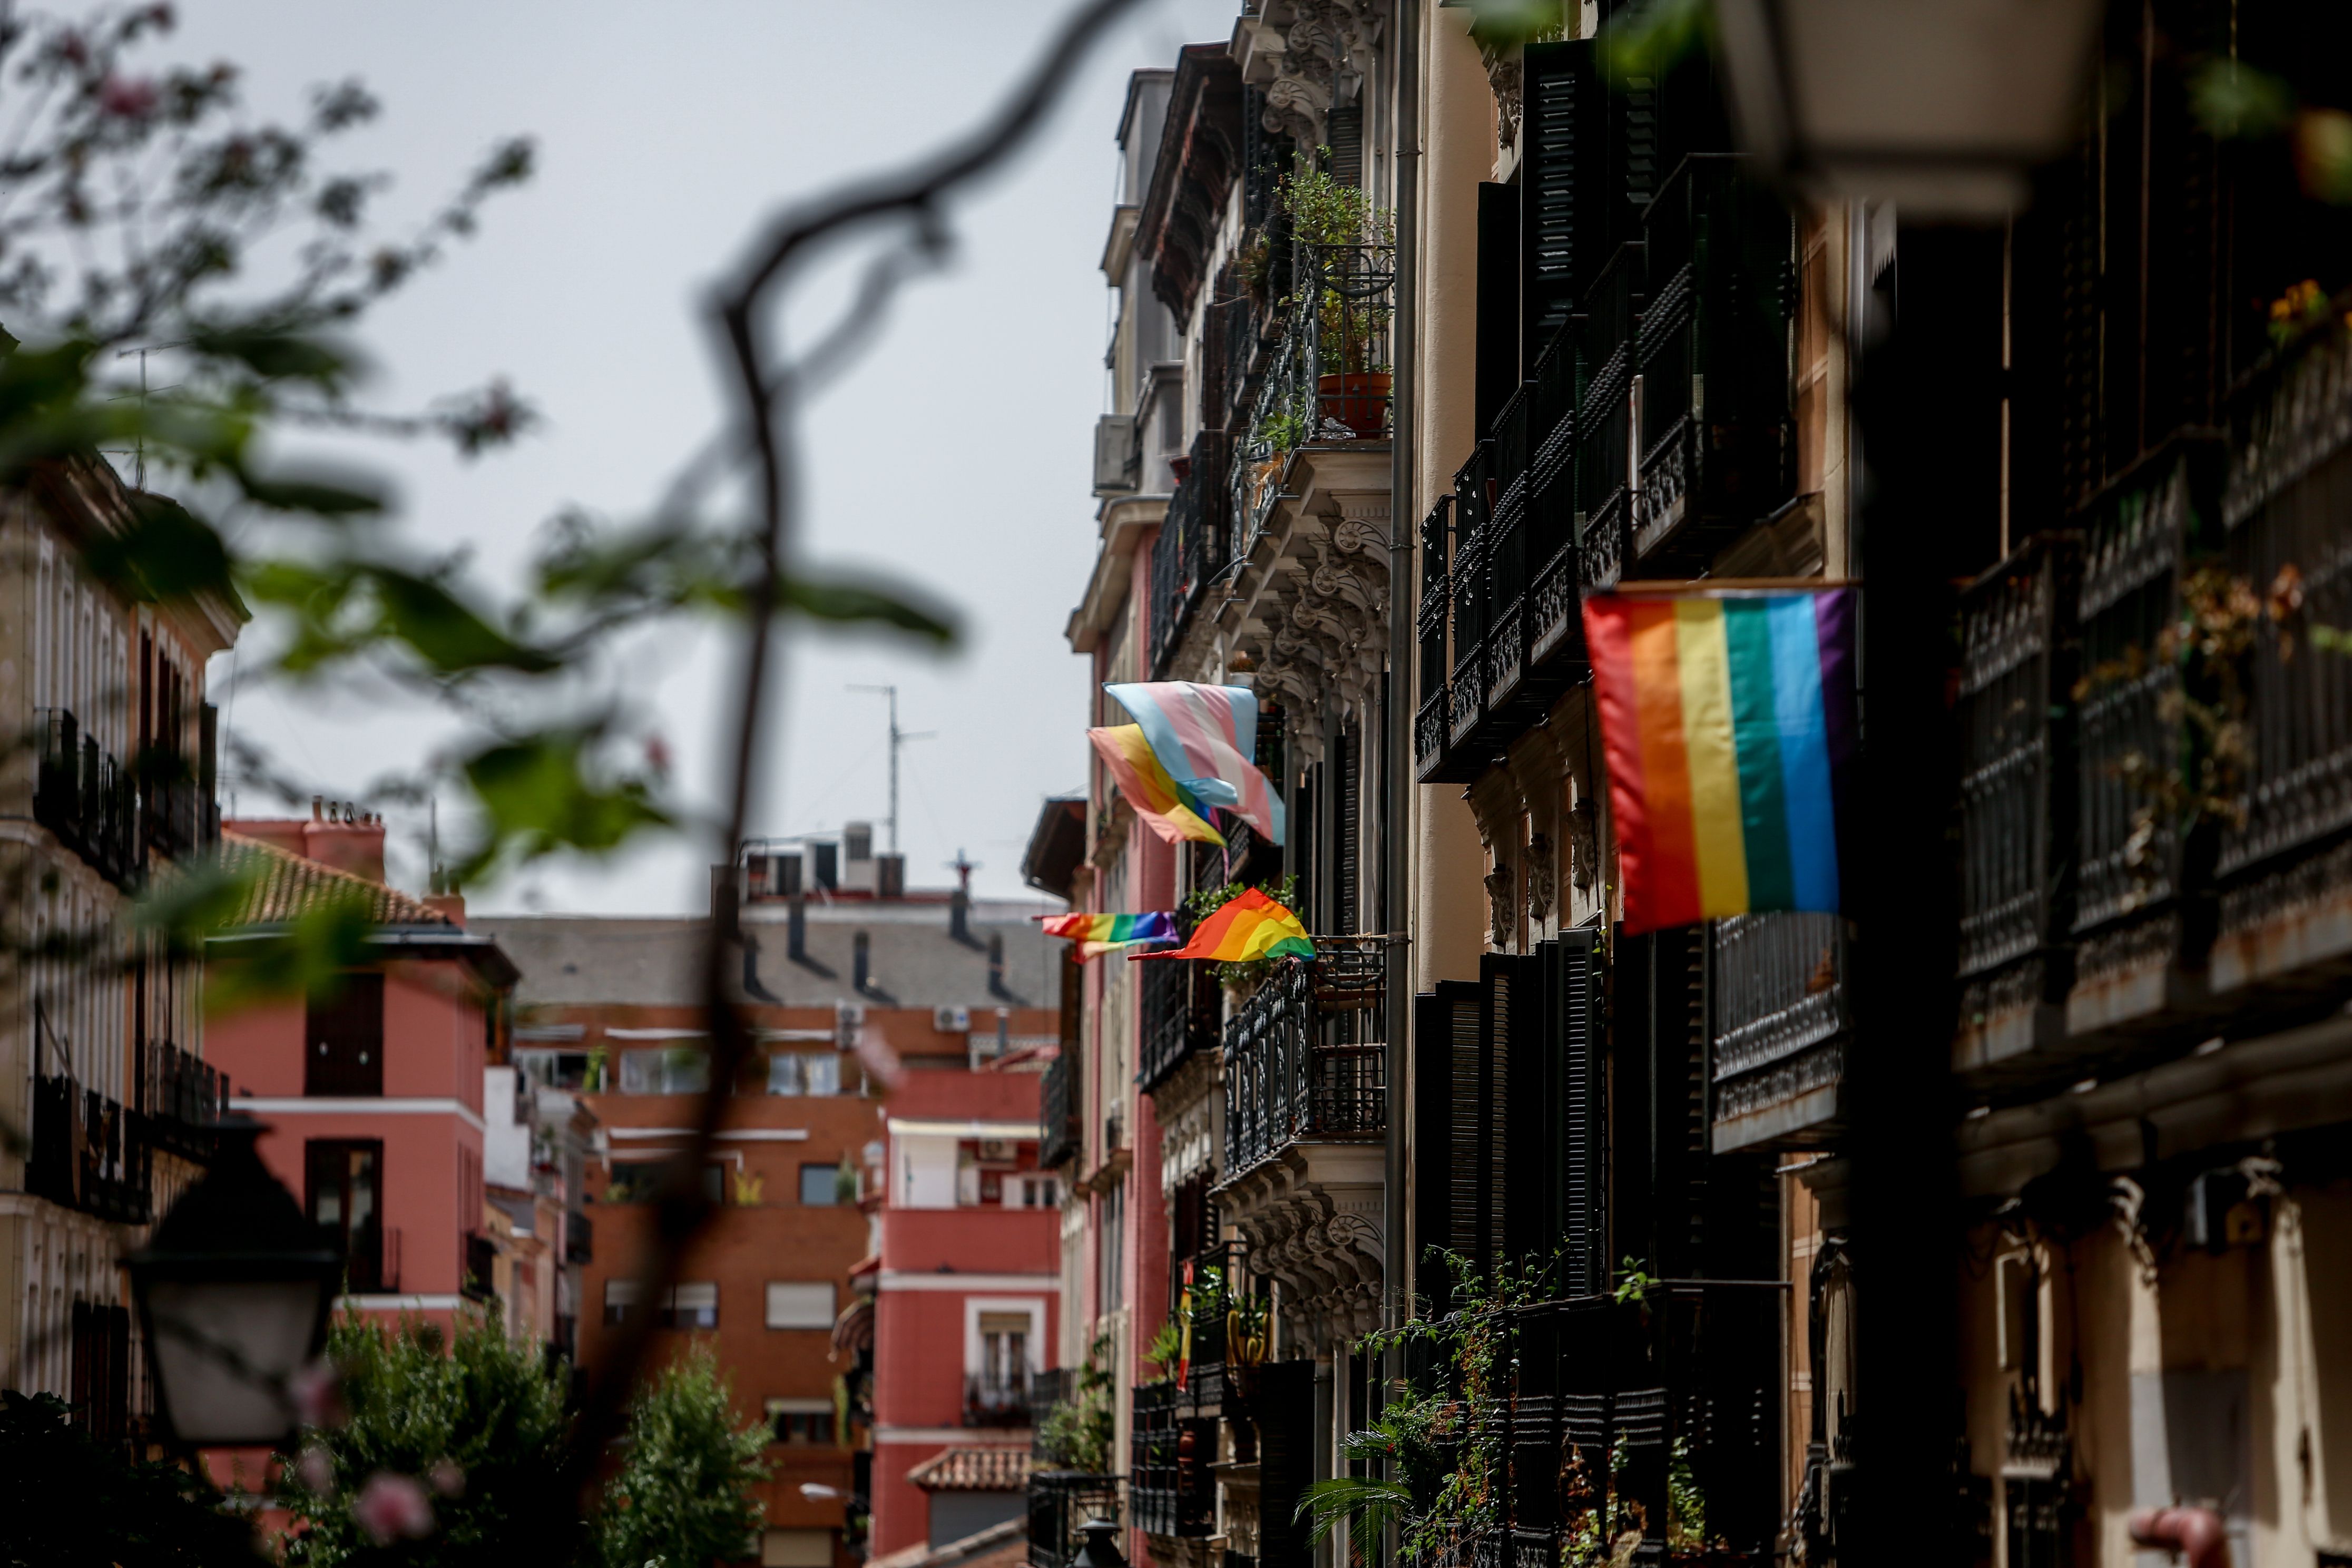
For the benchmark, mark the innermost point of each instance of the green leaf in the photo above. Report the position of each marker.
(165, 553)
(317, 494)
(447, 634)
(537, 797)
(306, 956)
(278, 353)
(845, 601)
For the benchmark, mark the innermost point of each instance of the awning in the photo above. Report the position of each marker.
(853, 1330)
(902, 1128)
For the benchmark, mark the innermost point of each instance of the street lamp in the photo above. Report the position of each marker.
(233, 1291)
(1940, 107)
(1101, 1549)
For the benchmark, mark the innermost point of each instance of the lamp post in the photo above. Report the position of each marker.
(233, 1291)
(1941, 107)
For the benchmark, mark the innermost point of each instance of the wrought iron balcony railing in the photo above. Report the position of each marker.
(88, 1153)
(1058, 1111)
(1328, 379)
(1780, 1025)
(183, 1096)
(1171, 1489)
(85, 797)
(1060, 1504)
(1182, 1017)
(1191, 548)
(1307, 1056)
(997, 1399)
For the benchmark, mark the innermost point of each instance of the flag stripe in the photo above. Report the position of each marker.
(1804, 754)
(1755, 727)
(1157, 800)
(1713, 765)
(1665, 764)
(1206, 738)
(1247, 926)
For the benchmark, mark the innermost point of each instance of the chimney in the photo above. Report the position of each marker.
(996, 964)
(827, 872)
(959, 915)
(784, 875)
(452, 905)
(890, 875)
(858, 840)
(796, 928)
(860, 960)
(341, 834)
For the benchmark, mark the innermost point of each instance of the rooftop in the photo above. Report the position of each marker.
(973, 1470)
(286, 884)
(913, 960)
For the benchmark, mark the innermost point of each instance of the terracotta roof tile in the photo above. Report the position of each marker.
(285, 885)
(973, 1470)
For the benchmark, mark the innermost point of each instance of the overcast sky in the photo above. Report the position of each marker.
(957, 454)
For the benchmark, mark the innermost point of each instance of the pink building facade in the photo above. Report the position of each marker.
(372, 1089)
(966, 1310)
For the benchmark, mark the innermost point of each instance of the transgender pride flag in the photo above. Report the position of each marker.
(1728, 719)
(1206, 737)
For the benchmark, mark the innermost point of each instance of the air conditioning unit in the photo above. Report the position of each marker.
(1117, 457)
(951, 1020)
(997, 1151)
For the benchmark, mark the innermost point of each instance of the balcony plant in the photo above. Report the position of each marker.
(1340, 227)
(1076, 1434)
(1240, 980)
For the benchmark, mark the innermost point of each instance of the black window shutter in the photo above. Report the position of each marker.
(1344, 130)
(1563, 152)
(1580, 1027)
(343, 1039)
(1528, 1228)
(1497, 371)
(1445, 1033)
(1498, 978)
(1347, 852)
(1285, 1405)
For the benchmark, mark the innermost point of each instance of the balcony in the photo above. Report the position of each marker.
(86, 1153)
(1606, 335)
(1191, 548)
(1306, 1058)
(85, 797)
(478, 1262)
(1653, 1405)
(1183, 1018)
(998, 1400)
(1780, 1025)
(1170, 1488)
(371, 1261)
(1219, 1274)
(1716, 435)
(2021, 657)
(183, 1098)
(1328, 382)
(1060, 1504)
(1059, 1137)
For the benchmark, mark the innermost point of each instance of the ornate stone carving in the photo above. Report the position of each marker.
(1327, 51)
(1501, 918)
(1506, 76)
(1541, 881)
(1583, 846)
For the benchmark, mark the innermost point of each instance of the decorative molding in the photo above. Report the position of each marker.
(1328, 50)
(1542, 878)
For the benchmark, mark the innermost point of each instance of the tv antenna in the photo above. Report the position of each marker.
(898, 738)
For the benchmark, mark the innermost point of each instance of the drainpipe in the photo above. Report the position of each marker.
(1396, 769)
(2196, 1534)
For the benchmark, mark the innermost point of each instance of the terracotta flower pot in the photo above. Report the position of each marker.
(1358, 399)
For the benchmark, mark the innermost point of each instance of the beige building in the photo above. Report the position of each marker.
(102, 1078)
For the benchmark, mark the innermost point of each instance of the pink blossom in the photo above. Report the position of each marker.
(318, 1393)
(317, 1470)
(657, 755)
(390, 1506)
(133, 98)
(449, 1477)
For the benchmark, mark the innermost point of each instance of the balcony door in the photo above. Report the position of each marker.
(345, 1181)
(342, 1051)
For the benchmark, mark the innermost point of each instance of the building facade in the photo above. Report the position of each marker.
(1561, 313)
(852, 983)
(373, 1089)
(102, 1033)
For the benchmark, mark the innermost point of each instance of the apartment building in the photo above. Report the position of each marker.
(1431, 328)
(852, 983)
(100, 1034)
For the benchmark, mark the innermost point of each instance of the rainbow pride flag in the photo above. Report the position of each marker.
(1099, 934)
(1728, 719)
(1245, 927)
(1206, 738)
(1157, 798)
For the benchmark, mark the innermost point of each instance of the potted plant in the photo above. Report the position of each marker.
(1353, 381)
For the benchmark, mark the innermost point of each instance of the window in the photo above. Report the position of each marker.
(692, 1306)
(822, 1074)
(636, 1182)
(801, 1420)
(1110, 1249)
(620, 1296)
(344, 1179)
(345, 1031)
(673, 1070)
(1035, 1193)
(820, 1185)
(784, 1073)
(1004, 1350)
(790, 1074)
(798, 1304)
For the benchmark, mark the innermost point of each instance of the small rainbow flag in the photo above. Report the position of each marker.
(1099, 934)
(1206, 738)
(1157, 798)
(1728, 719)
(1249, 926)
